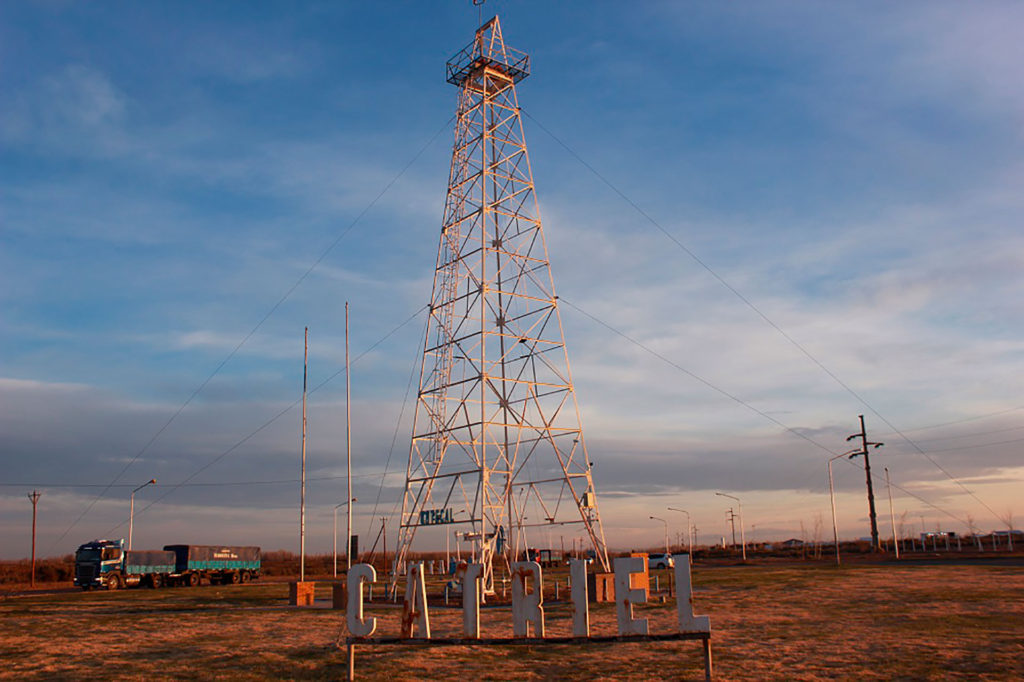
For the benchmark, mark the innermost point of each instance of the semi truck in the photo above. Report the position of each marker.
(106, 564)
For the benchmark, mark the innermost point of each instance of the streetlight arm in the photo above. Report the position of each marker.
(689, 526)
(656, 518)
(149, 482)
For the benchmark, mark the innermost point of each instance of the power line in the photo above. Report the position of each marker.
(173, 488)
(259, 324)
(741, 401)
(394, 439)
(972, 434)
(757, 310)
(209, 484)
(961, 421)
(281, 413)
(978, 445)
(701, 379)
(914, 495)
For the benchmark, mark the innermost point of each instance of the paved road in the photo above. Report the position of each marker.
(1013, 561)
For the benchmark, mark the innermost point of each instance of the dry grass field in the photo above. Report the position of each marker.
(768, 622)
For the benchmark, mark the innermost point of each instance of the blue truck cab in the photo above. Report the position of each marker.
(100, 563)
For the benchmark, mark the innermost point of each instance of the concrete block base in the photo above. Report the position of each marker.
(339, 596)
(301, 593)
(601, 587)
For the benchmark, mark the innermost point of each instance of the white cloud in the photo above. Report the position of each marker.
(75, 108)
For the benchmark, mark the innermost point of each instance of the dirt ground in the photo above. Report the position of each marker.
(768, 622)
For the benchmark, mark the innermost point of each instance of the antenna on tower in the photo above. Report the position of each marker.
(497, 443)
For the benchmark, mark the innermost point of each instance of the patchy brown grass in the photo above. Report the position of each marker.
(768, 622)
(49, 570)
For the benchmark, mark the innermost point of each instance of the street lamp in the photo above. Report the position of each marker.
(336, 507)
(743, 537)
(655, 518)
(832, 496)
(131, 512)
(892, 516)
(689, 527)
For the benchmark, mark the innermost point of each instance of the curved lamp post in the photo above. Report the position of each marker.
(131, 510)
(832, 496)
(743, 537)
(689, 527)
(655, 518)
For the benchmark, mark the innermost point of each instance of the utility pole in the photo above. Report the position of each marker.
(731, 518)
(863, 435)
(34, 496)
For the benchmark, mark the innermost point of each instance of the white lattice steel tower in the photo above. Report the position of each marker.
(497, 445)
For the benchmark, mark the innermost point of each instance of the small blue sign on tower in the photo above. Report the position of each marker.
(435, 517)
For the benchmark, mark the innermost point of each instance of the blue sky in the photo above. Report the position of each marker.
(169, 171)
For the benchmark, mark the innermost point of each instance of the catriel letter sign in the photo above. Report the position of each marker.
(527, 600)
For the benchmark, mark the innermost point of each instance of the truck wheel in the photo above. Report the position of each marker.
(114, 582)
(193, 579)
(245, 577)
(156, 581)
(236, 577)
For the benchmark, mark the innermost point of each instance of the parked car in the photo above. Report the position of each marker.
(660, 561)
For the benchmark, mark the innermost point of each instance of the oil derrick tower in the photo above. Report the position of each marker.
(497, 446)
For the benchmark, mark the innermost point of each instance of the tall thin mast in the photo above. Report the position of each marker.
(302, 495)
(348, 443)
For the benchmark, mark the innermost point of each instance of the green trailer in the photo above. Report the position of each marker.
(216, 564)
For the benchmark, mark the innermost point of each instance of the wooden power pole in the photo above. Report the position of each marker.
(863, 435)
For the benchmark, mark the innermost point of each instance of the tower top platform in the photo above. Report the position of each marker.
(488, 49)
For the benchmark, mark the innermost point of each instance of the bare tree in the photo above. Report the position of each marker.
(818, 525)
(971, 526)
(901, 527)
